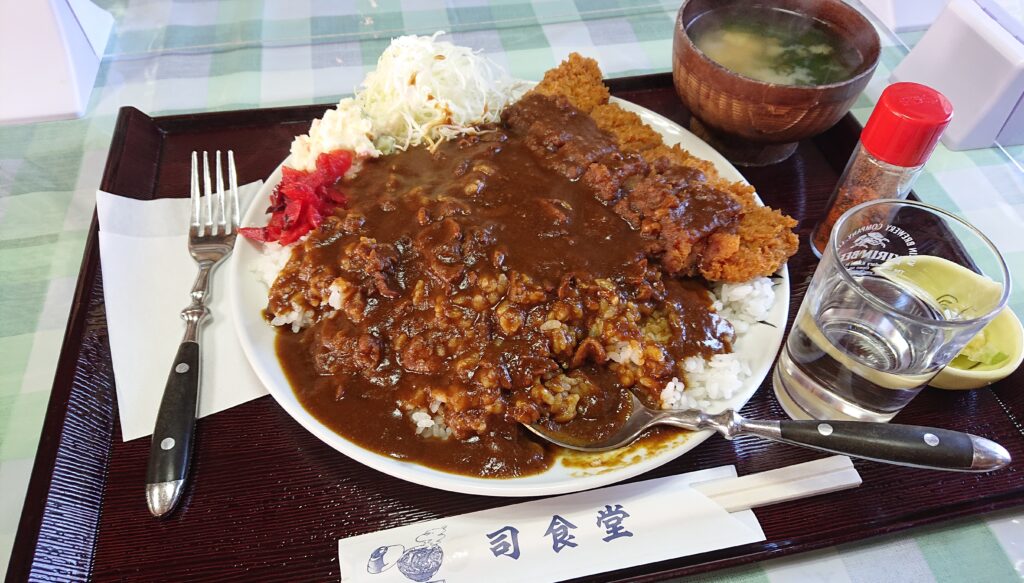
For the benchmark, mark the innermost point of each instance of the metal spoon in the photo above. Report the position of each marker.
(904, 445)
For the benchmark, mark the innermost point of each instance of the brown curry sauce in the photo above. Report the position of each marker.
(470, 212)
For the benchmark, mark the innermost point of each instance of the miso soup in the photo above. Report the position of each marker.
(774, 46)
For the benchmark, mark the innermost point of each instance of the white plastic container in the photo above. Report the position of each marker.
(973, 54)
(905, 15)
(50, 52)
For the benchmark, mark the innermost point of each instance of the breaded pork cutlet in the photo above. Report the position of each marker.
(577, 79)
(759, 239)
(632, 134)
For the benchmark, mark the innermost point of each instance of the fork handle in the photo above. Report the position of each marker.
(891, 443)
(171, 448)
(905, 445)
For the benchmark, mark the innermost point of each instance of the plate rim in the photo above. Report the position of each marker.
(500, 487)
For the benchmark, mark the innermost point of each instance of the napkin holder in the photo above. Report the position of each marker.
(905, 15)
(50, 52)
(974, 55)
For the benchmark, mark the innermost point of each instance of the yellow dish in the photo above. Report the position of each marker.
(1006, 332)
(960, 291)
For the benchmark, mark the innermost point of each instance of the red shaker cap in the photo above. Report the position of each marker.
(906, 124)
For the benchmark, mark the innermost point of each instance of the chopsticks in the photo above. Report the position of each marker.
(822, 476)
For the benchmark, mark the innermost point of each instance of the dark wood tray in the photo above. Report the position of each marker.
(268, 501)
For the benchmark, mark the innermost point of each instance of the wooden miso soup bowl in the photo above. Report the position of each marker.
(755, 123)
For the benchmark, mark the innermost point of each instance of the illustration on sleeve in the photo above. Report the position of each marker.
(417, 563)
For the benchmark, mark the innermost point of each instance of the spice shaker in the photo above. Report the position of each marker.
(896, 142)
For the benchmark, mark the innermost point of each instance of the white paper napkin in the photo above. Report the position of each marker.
(600, 530)
(147, 276)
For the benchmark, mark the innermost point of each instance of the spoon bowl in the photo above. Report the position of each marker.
(638, 418)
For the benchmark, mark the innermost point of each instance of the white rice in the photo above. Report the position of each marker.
(272, 259)
(430, 422)
(268, 266)
(710, 383)
(334, 300)
(744, 303)
(626, 351)
(297, 318)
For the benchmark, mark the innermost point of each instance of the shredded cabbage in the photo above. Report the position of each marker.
(428, 91)
(979, 351)
(423, 91)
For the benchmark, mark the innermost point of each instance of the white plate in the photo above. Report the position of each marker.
(758, 347)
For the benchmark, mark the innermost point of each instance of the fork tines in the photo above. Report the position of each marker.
(214, 209)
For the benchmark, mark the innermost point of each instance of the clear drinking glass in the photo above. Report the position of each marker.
(901, 288)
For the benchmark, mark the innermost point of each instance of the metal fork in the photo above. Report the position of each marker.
(212, 228)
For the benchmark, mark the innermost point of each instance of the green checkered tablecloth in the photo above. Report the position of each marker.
(171, 56)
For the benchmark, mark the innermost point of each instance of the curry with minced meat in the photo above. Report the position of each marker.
(533, 272)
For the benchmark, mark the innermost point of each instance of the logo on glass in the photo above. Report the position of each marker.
(873, 245)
